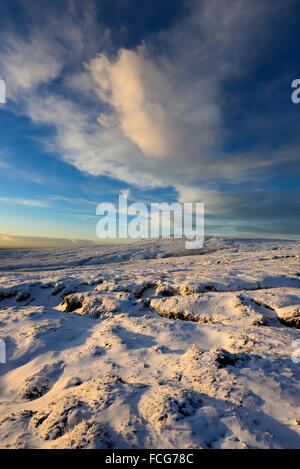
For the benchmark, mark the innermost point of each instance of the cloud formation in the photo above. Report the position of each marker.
(154, 115)
(136, 91)
(30, 202)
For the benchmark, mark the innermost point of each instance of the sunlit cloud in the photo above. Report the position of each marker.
(151, 115)
(136, 90)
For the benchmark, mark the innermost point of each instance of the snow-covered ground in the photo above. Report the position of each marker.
(143, 346)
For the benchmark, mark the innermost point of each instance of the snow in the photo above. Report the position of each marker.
(146, 345)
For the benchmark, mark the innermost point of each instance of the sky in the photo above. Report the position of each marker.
(177, 100)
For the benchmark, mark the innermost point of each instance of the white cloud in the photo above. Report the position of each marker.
(157, 118)
(28, 64)
(137, 90)
(30, 202)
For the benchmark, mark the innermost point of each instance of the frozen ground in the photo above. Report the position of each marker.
(141, 346)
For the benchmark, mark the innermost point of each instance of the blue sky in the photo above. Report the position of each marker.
(177, 100)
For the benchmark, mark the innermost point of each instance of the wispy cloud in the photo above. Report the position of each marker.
(157, 116)
(160, 106)
(73, 200)
(30, 202)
